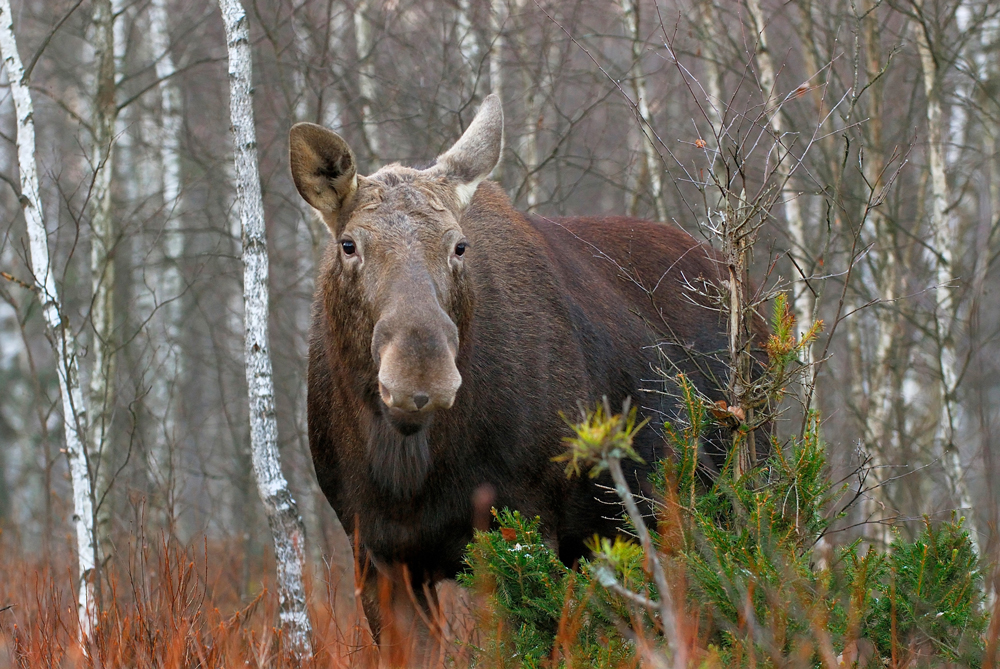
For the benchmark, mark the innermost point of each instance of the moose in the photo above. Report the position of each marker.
(452, 335)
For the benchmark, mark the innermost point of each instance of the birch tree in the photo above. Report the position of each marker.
(713, 107)
(880, 270)
(59, 333)
(282, 513)
(103, 120)
(649, 158)
(167, 279)
(537, 86)
(782, 158)
(467, 42)
(498, 17)
(364, 41)
(944, 234)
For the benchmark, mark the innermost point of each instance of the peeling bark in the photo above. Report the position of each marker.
(282, 513)
(60, 337)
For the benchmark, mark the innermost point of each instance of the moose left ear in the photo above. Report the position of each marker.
(476, 153)
(323, 167)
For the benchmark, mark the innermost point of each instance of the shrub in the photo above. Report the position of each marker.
(744, 588)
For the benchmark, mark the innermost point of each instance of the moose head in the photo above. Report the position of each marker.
(398, 258)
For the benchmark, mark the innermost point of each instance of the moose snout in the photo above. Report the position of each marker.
(416, 367)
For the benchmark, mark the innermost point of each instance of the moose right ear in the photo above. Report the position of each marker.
(323, 167)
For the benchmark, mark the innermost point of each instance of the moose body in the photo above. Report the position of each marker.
(452, 336)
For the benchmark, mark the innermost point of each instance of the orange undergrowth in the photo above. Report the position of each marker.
(167, 606)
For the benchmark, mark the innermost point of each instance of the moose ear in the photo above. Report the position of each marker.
(323, 167)
(476, 153)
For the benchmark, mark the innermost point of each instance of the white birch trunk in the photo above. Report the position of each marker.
(803, 303)
(282, 513)
(339, 25)
(467, 43)
(300, 29)
(534, 92)
(944, 234)
(102, 386)
(363, 39)
(879, 435)
(714, 104)
(167, 280)
(650, 156)
(63, 344)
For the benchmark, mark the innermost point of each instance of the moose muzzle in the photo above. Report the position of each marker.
(414, 347)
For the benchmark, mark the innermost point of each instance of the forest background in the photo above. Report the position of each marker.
(881, 120)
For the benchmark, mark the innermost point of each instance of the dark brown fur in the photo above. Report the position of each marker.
(553, 313)
(452, 336)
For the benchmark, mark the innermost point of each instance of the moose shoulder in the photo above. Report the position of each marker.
(451, 333)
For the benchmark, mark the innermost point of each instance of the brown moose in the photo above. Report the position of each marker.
(450, 335)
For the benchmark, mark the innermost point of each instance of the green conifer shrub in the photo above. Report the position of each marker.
(741, 553)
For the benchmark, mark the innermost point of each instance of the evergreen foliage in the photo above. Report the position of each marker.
(538, 600)
(742, 552)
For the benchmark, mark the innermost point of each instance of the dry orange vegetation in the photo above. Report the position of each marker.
(168, 607)
(165, 606)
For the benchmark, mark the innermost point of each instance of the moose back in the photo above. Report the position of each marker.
(451, 334)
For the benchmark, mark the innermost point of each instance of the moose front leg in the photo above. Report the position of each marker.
(403, 615)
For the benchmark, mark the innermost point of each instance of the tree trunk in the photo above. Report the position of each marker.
(651, 167)
(944, 238)
(714, 106)
(167, 279)
(467, 43)
(282, 513)
(497, 19)
(102, 315)
(363, 39)
(882, 265)
(536, 87)
(803, 302)
(60, 337)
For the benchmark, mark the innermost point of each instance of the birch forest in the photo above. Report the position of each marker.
(157, 266)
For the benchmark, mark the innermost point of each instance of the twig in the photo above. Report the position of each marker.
(22, 284)
(606, 577)
(659, 577)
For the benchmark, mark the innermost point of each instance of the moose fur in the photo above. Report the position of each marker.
(536, 317)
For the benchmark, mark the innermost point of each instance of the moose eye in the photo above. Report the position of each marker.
(460, 248)
(348, 247)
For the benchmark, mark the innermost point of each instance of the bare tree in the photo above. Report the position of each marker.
(538, 84)
(60, 335)
(468, 45)
(166, 285)
(282, 513)
(649, 158)
(943, 231)
(364, 40)
(784, 161)
(104, 119)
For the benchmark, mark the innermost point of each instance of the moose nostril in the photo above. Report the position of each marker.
(421, 400)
